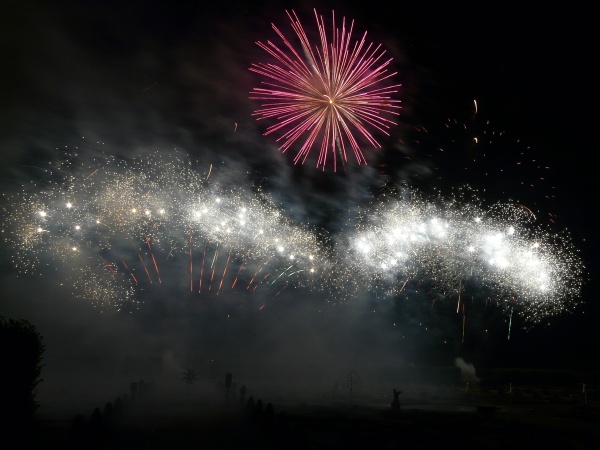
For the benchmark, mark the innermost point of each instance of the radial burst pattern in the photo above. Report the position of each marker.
(332, 94)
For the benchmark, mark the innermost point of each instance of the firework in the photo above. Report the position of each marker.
(451, 244)
(116, 228)
(333, 92)
(130, 224)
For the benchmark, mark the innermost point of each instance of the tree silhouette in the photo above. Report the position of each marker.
(189, 376)
(22, 349)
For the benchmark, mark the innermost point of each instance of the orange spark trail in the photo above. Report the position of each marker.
(236, 277)
(130, 272)
(530, 211)
(156, 267)
(153, 258)
(279, 292)
(108, 264)
(92, 174)
(404, 284)
(202, 270)
(254, 276)
(224, 271)
(214, 266)
(145, 268)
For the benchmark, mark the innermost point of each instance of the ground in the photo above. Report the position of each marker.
(492, 420)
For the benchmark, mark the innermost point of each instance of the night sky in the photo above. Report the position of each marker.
(129, 78)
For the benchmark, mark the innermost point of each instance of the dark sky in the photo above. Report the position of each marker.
(129, 78)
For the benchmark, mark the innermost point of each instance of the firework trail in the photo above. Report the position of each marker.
(115, 228)
(332, 92)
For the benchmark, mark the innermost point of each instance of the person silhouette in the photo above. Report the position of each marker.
(396, 402)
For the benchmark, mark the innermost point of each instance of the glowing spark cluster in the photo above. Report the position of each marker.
(450, 244)
(115, 227)
(333, 92)
(134, 221)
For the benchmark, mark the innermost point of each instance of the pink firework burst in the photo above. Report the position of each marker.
(335, 91)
